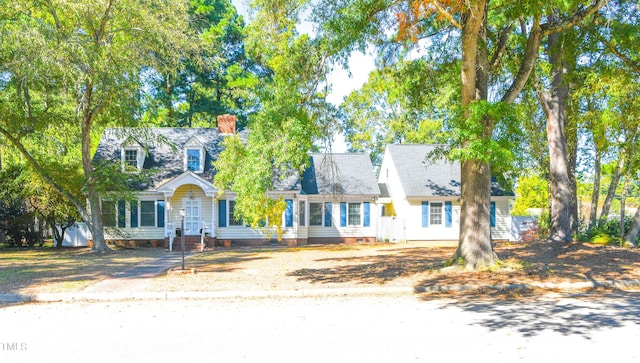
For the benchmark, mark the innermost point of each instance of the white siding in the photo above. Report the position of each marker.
(137, 232)
(502, 230)
(412, 211)
(172, 214)
(336, 231)
(247, 233)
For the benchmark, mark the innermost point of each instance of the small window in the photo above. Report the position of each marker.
(315, 214)
(193, 160)
(354, 214)
(109, 214)
(303, 216)
(147, 214)
(435, 214)
(131, 158)
(232, 219)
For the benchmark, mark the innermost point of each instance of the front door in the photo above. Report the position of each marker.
(192, 216)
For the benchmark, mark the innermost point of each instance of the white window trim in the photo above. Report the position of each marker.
(201, 155)
(323, 206)
(139, 154)
(321, 214)
(361, 215)
(155, 213)
(442, 216)
(230, 217)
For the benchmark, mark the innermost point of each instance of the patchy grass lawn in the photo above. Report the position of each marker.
(414, 265)
(64, 270)
(405, 265)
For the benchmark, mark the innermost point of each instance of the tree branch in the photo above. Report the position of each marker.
(580, 15)
(47, 178)
(447, 15)
(528, 62)
(53, 12)
(501, 47)
(623, 57)
(103, 23)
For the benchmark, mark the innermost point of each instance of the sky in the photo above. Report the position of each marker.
(342, 81)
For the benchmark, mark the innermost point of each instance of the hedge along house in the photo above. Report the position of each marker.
(422, 197)
(181, 178)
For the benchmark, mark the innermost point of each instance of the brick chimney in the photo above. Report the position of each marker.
(226, 124)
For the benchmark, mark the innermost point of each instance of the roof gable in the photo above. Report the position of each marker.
(349, 174)
(165, 149)
(422, 175)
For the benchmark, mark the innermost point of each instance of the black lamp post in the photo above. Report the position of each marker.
(182, 214)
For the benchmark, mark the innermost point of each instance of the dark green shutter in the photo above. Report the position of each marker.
(134, 214)
(121, 214)
(222, 213)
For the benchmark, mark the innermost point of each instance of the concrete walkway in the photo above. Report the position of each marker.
(122, 285)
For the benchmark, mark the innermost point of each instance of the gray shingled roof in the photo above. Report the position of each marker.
(421, 176)
(348, 174)
(165, 150)
(352, 173)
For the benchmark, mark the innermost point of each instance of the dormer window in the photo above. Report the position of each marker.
(193, 160)
(194, 156)
(132, 158)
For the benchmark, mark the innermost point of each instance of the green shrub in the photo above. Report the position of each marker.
(607, 233)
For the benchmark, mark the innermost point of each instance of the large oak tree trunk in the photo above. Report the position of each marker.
(97, 228)
(474, 245)
(553, 103)
(475, 224)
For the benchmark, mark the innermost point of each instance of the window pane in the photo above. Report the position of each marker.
(109, 214)
(193, 159)
(354, 214)
(435, 213)
(302, 206)
(315, 214)
(147, 214)
(232, 219)
(131, 158)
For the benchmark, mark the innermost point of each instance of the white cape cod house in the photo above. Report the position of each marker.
(332, 202)
(420, 197)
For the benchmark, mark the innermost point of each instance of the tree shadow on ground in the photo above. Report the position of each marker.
(223, 263)
(24, 269)
(547, 262)
(378, 269)
(580, 315)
